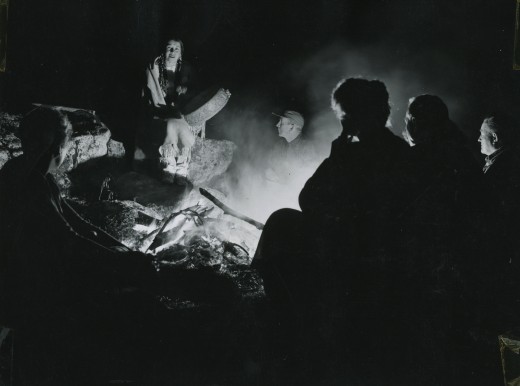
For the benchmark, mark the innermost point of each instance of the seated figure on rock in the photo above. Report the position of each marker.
(169, 127)
(167, 80)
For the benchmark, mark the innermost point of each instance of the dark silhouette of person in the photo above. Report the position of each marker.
(445, 270)
(322, 266)
(443, 184)
(60, 275)
(499, 142)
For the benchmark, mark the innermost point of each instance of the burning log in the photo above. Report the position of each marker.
(194, 213)
(229, 211)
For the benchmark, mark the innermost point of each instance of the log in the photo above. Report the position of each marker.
(229, 211)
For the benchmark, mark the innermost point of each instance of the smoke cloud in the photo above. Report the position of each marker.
(251, 126)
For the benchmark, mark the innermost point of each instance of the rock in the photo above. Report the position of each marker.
(9, 122)
(209, 158)
(10, 145)
(115, 149)
(63, 181)
(4, 157)
(11, 142)
(86, 147)
(90, 139)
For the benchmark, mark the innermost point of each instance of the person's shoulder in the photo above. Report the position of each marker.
(11, 168)
(344, 143)
(395, 140)
(512, 155)
(508, 160)
(302, 142)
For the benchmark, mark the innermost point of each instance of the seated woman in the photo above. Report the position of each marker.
(175, 111)
(165, 91)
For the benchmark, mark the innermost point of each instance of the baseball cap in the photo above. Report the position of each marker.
(294, 116)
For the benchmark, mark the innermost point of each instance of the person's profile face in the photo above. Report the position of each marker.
(58, 156)
(338, 111)
(63, 149)
(173, 50)
(487, 139)
(284, 126)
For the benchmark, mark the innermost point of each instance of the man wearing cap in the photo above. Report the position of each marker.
(295, 153)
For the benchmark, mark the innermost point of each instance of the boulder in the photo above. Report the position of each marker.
(209, 158)
(86, 146)
(90, 139)
(9, 122)
(4, 157)
(63, 181)
(115, 149)
(10, 145)
(11, 142)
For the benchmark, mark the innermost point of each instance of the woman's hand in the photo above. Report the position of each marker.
(181, 90)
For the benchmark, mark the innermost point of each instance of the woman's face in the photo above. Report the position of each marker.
(173, 50)
(60, 154)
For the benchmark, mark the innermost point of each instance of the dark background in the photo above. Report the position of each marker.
(272, 55)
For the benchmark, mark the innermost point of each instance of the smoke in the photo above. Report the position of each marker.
(405, 75)
(251, 126)
(261, 180)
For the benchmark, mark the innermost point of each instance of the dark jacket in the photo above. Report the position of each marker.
(503, 176)
(352, 190)
(444, 217)
(51, 258)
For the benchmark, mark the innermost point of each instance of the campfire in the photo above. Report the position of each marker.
(199, 233)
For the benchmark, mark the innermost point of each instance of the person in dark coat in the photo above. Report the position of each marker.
(322, 265)
(443, 185)
(443, 284)
(499, 143)
(60, 275)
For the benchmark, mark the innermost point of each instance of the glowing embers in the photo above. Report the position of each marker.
(199, 235)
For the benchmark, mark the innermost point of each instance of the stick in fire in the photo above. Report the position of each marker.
(229, 211)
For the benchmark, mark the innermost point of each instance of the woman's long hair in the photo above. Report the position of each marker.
(163, 74)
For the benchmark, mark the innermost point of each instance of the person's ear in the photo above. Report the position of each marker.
(495, 138)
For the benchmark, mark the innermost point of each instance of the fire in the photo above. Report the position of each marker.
(200, 234)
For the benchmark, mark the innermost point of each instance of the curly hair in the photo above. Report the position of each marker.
(361, 98)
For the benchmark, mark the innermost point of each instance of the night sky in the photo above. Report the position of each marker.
(272, 55)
